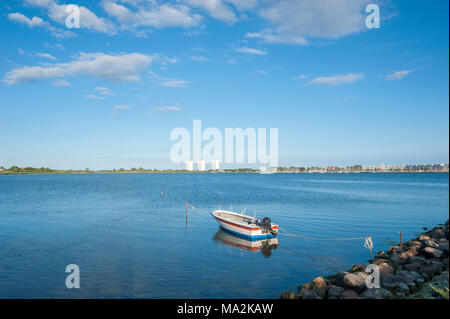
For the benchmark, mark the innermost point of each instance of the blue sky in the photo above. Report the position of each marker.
(107, 95)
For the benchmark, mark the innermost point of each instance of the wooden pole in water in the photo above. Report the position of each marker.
(186, 210)
(401, 239)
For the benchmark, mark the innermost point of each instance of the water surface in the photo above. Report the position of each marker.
(128, 233)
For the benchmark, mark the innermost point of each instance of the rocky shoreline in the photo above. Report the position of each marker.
(405, 272)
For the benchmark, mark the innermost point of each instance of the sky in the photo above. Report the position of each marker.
(108, 94)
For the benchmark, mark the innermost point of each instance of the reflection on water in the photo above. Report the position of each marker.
(227, 238)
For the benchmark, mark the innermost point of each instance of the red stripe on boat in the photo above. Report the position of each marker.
(236, 225)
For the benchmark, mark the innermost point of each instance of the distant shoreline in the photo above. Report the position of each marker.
(204, 172)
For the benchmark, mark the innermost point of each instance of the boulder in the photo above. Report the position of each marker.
(359, 267)
(289, 295)
(414, 243)
(436, 233)
(411, 266)
(411, 252)
(311, 294)
(430, 243)
(348, 294)
(423, 237)
(378, 261)
(370, 294)
(334, 291)
(403, 288)
(380, 254)
(400, 259)
(320, 286)
(355, 281)
(386, 269)
(432, 252)
(412, 287)
(395, 249)
(437, 267)
(419, 282)
(338, 279)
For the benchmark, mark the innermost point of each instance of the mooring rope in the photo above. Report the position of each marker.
(198, 209)
(286, 233)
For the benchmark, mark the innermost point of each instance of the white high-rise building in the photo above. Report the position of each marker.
(215, 165)
(201, 165)
(189, 165)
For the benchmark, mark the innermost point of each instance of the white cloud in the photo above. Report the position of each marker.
(338, 79)
(174, 83)
(88, 19)
(166, 109)
(94, 97)
(153, 15)
(21, 51)
(61, 82)
(121, 107)
(294, 21)
(299, 77)
(46, 56)
(36, 22)
(103, 91)
(32, 23)
(398, 75)
(114, 68)
(199, 58)
(215, 8)
(251, 51)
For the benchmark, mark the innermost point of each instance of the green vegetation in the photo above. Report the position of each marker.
(31, 170)
(442, 292)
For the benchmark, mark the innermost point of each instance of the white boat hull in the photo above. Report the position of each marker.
(249, 231)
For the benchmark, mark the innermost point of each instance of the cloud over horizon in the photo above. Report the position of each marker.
(113, 68)
(337, 79)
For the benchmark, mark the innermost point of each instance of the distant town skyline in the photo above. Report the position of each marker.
(107, 95)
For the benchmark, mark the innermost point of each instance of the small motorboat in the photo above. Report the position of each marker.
(245, 226)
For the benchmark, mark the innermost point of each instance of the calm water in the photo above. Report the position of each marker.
(130, 241)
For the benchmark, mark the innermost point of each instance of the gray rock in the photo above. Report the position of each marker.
(289, 295)
(412, 287)
(311, 294)
(348, 294)
(339, 278)
(432, 252)
(355, 281)
(411, 266)
(430, 243)
(370, 294)
(334, 291)
(437, 267)
(419, 282)
(402, 287)
(414, 243)
(400, 259)
(436, 233)
(320, 286)
(359, 267)
(386, 269)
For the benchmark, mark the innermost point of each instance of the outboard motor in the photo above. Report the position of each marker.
(266, 223)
